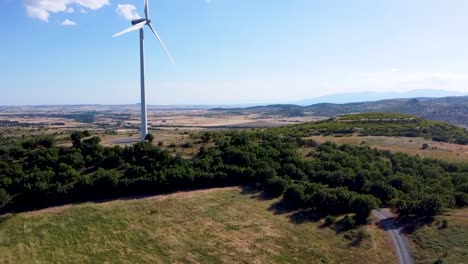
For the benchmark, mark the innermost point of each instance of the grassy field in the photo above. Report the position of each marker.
(207, 226)
(449, 244)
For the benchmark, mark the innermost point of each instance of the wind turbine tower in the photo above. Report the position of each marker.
(139, 24)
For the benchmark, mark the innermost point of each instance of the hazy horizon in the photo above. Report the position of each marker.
(230, 52)
(343, 98)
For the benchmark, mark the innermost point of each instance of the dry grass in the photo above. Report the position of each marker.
(436, 150)
(173, 140)
(210, 226)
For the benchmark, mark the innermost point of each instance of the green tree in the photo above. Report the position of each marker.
(428, 206)
(76, 137)
(363, 204)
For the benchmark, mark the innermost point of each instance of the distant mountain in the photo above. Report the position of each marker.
(449, 109)
(375, 96)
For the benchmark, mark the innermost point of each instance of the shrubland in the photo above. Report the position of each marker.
(381, 124)
(332, 180)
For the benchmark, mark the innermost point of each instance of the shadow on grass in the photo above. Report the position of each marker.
(256, 193)
(249, 190)
(280, 208)
(407, 224)
(296, 216)
(305, 216)
(12, 208)
(356, 242)
(410, 224)
(389, 224)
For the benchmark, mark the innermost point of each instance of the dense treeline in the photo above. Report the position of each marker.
(331, 180)
(382, 124)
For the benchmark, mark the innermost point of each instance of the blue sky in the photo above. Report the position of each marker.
(229, 51)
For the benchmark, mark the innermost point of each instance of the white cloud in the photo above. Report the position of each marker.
(68, 22)
(127, 11)
(41, 9)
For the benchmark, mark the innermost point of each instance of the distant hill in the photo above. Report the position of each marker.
(453, 110)
(345, 98)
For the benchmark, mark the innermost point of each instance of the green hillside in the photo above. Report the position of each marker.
(382, 124)
(213, 226)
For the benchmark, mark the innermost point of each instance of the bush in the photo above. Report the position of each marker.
(206, 137)
(149, 137)
(347, 223)
(294, 196)
(275, 186)
(357, 235)
(444, 223)
(4, 197)
(330, 220)
(461, 199)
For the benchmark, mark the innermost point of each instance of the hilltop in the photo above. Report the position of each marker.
(381, 124)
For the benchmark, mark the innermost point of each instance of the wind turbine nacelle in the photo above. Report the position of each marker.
(136, 21)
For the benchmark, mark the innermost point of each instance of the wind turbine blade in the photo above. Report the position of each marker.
(162, 44)
(146, 9)
(132, 28)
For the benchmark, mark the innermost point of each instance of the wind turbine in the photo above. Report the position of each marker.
(139, 24)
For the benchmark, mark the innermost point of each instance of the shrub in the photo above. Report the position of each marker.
(294, 196)
(330, 220)
(444, 223)
(347, 223)
(461, 199)
(206, 137)
(275, 186)
(187, 145)
(4, 197)
(149, 138)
